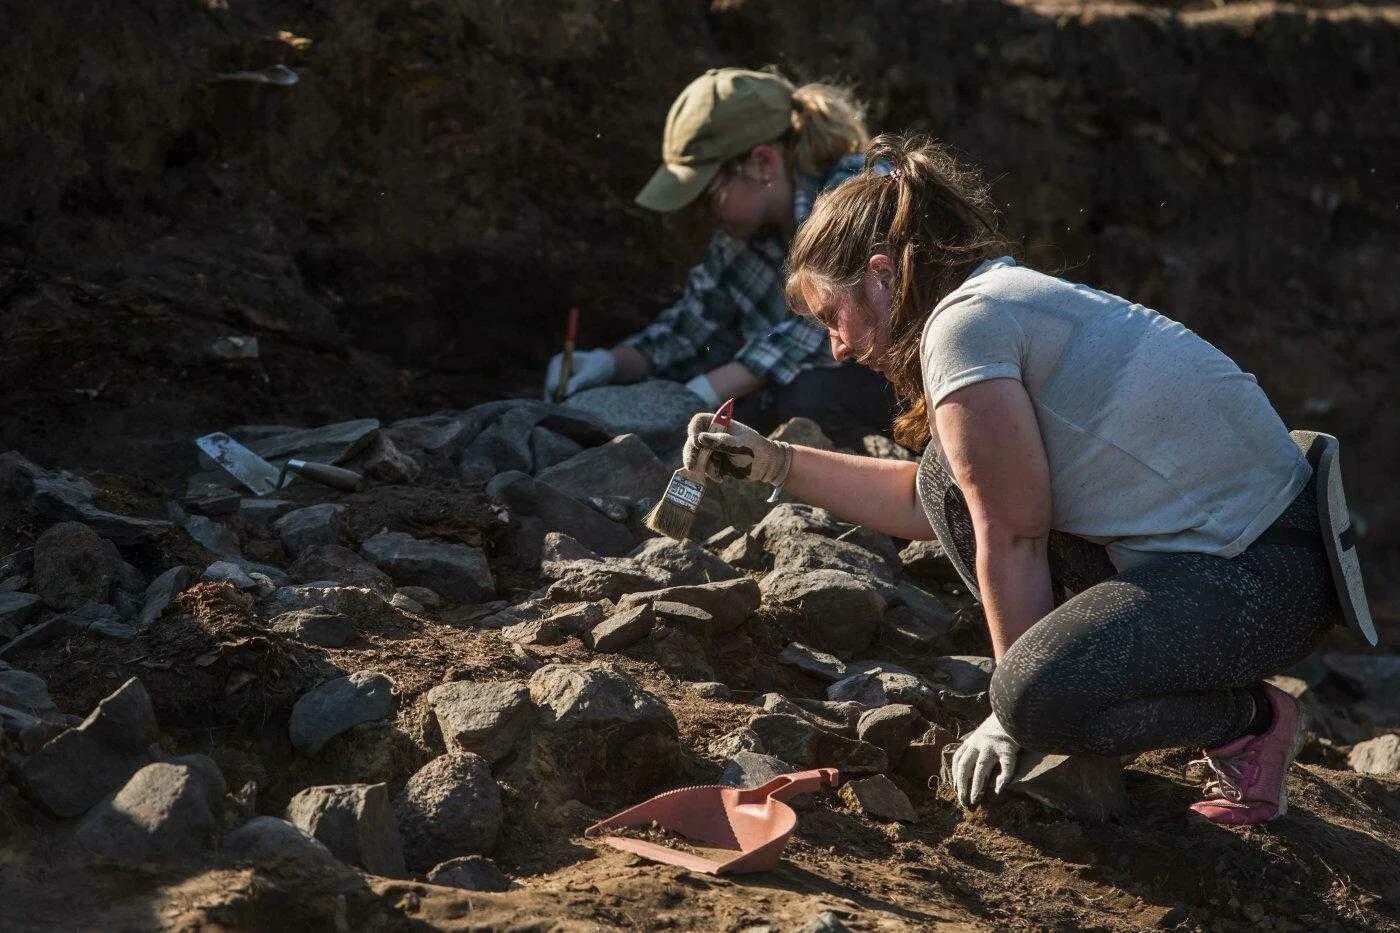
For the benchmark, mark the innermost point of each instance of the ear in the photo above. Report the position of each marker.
(881, 268)
(766, 160)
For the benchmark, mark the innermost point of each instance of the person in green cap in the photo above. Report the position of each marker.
(755, 151)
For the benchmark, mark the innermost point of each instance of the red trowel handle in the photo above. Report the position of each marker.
(724, 417)
(785, 786)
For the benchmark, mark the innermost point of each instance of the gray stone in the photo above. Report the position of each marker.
(261, 513)
(458, 571)
(729, 602)
(214, 537)
(13, 584)
(881, 447)
(445, 432)
(723, 538)
(752, 769)
(926, 561)
(590, 581)
(469, 873)
(406, 604)
(109, 627)
(222, 571)
(830, 609)
(711, 690)
(330, 443)
(36, 636)
(80, 766)
(746, 553)
(547, 631)
(74, 565)
(17, 722)
(342, 565)
(621, 629)
(902, 629)
(1086, 787)
(355, 822)
(680, 614)
(162, 812)
(24, 691)
(961, 683)
(162, 592)
(934, 616)
(309, 527)
(18, 609)
(825, 667)
(878, 687)
(209, 775)
(733, 743)
(656, 410)
(596, 696)
(803, 552)
(266, 840)
(333, 707)
(315, 626)
(63, 497)
(684, 562)
(624, 467)
(879, 798)
(343, 600)
(425, 597)
(449, 807)
(386, 463)
(803, 431)
(891, 728)
(829, 716)
(825, 921)
(487, 719)
(1377, 678)
(560, 552)
(789, 519)
(1380, 755)
(548, 449)
(681, 655)
(577, 619)
(524, 496)
(799, 741)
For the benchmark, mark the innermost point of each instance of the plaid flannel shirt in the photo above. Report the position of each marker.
(733, 307)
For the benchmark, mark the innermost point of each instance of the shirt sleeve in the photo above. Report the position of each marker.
(968, 342)
(680, 331)
(780, 354)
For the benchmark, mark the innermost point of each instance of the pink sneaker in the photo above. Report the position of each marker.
(1247, 784)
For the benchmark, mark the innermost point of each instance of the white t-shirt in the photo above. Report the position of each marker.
(1156, 441)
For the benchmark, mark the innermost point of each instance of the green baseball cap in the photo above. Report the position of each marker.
(721, 114)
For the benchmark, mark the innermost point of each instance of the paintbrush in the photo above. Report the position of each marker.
(674, 515)
(566, 365)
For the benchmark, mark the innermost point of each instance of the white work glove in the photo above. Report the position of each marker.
(591, 368)
(740, 452)
(986, 747)
(702, 387)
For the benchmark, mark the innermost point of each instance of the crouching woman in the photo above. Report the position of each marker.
(1142, 531)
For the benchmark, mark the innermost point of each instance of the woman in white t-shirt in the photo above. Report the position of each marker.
(1139, 526)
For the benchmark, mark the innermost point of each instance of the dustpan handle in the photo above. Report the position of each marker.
(790, 785)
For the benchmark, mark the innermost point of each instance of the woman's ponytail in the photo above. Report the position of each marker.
(828, 124)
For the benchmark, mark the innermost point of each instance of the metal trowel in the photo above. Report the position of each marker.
(262, 477)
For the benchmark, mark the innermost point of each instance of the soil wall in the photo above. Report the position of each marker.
(405, 225)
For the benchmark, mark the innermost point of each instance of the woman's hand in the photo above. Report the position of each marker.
(986, 748)
(739, 452)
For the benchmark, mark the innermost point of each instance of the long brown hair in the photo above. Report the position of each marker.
(932, 216)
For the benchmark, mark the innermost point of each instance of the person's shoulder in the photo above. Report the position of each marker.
(846, 168)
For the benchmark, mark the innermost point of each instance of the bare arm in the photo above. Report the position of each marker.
(989, 434)
(878, 494)
(734, 380)
(631, 364)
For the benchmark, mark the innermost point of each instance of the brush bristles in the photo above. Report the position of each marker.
(674, 515)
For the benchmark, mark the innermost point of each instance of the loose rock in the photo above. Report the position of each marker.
(385, 463)
(336, 563)
(457, 571)
(681, 655)
(751, 769)
(824, 667)
(878, 797)
(621, 467)
(487, 719)
(17, 610)
(356, 822)
(74, 565)
(162, 812)
(268, 841)
(621, 630)
(469, 873)
(449, 807)
(162, 590)
(1380, 755)
(891, 728)
(335, 706)
(596, 696)
(655, 410)
(560, 511)
(309, 527)
(729, 602)
(683, 562)
(24, 691)
(315, 626)
(832, 610)
(222, 571)
(804, 744)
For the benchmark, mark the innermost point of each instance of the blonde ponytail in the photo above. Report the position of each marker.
(828, 123)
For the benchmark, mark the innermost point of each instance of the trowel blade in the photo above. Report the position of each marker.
(239, 462)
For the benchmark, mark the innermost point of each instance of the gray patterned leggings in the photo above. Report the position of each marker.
(1159, 656)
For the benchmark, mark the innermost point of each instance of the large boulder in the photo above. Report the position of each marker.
(449, 807)
(162, 812)
(656, 410)
(457, 571)
(558, 511)
(487, 719)
(684, 562)
(80, 766)
(337, 705)
(355, 821)
(831, 610)
(624, 467)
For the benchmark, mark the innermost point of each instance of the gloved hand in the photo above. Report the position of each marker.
(703, 387)
(591, 368)
(986, 747)
(741, 452)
